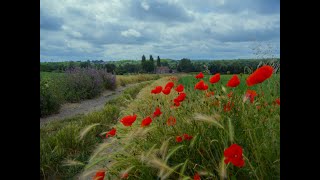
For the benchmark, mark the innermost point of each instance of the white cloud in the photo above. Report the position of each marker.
(145, 5)
(130, 33)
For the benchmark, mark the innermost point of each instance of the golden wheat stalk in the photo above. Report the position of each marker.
(209, 119)
(85, 131)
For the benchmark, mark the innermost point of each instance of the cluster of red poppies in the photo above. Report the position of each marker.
(185, 137)
(232, 154)
(259, 76)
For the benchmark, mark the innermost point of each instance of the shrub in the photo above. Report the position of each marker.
(50, 100)
(87, 83)
(108, 79)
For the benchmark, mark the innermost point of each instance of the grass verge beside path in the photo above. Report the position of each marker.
(59, 140)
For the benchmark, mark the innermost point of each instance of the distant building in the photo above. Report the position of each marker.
(162, 70)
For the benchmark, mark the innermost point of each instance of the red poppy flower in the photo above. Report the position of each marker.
(179, 88)
(187, 137)
(196, 177)
(128, 120)
(199, 76)
(201, 85)
(169, 84)
(99, 175)
(166, 91)
(234, 81)
(125, 176)
(157, 112)
(208, 94)
(250, 94)
(278, 101)
(258, 107)
(234, 155)
(146, 121)
(178, 139)
(176, 102)
(181, 97)
(228, 107)
(171, 121)
(111, 133)
(215, 78)
(230, 94)
(259, 75)
(156, 90)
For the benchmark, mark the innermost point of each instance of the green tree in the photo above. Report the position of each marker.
(110, 67)
(150, 65)
(151, 58)
(143, 58)
(143, 63)
(185, 65)
(158, 62)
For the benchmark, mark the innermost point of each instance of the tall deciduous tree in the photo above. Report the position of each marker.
(158, 62)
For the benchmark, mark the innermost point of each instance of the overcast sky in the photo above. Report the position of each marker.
(127, 29)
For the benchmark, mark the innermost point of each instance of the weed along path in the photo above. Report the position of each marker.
(71, 109)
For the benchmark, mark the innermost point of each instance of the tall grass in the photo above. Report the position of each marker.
(152, 152)
(67, 142)
(123, 80)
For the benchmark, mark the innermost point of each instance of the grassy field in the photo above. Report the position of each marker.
(153, 152)
(59, 140)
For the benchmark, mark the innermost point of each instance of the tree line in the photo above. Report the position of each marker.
(149, 65)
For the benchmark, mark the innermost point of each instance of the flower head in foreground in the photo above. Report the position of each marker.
(179, 88)
(99, 175)
(124, 176)
(230, 94)
(176, 102)
(128, 120)
(111, 133)
(208, 94)
(169, 84)
(187, 137)
(278, 101)
(200, 75)
(157, 112)
(180, 98)
(215, 78)
(250, 94)
(166, 91)
(234, 155)
(201, 85)
(156, 90)
(171, 121)
(228, 107)
(196, 177)
(259, 75)
(234, 81)
(146, 121)
(178, 139)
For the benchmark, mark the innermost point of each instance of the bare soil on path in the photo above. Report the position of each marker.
(72, 109)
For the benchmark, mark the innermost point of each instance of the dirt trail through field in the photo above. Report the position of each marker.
(71, 109)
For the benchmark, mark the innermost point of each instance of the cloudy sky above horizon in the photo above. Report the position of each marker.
(127, 29)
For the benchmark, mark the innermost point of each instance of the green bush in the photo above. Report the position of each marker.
(50, 100)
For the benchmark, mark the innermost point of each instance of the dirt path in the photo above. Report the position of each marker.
(71, 109)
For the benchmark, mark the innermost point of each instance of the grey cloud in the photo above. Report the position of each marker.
(169, 28)
(159, 11)
(49, 22)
